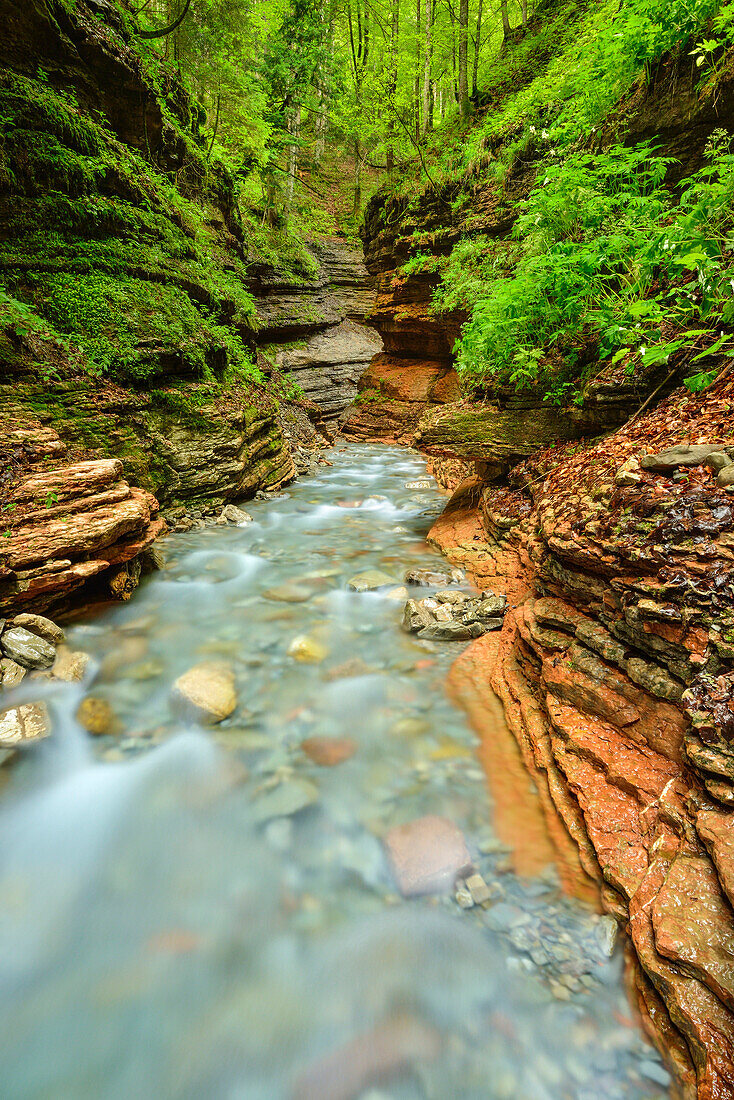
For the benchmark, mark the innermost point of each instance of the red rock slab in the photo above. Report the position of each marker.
(634, 768)
(716, 830)
(427, 855)
(403, 379)
(587, 695)
(612, 819)
(693, 924)
(370, 1059)
(68, 481)
(79, 504)
(38, 590)
(82, 533)
(706, 1024)
(329, 751)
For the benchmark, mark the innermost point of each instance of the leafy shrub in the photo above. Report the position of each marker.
(606, 255)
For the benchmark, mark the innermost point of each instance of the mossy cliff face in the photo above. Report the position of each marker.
(615, 668)
(128, 321)
(127, 327)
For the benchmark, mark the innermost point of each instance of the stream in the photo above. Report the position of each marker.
(191, 912)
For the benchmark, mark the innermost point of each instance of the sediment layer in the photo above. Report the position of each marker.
(615, 669)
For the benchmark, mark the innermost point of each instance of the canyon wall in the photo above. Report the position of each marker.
(140, 320)
(615, 668)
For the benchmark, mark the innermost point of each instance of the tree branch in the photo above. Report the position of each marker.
(167, 30)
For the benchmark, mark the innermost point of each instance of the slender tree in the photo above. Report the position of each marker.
(477, 46)
(464, 58)
(392, 85)
(427, 96)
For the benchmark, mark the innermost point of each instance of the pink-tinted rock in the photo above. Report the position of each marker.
(427, 855)
(370, 1059)
(329, 751)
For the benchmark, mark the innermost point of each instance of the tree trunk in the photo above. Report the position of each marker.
(505, 19)
(357, 177)
(477, 45)
(294, 128)
(524, 13)
(392, 85)
(427, 55)
(464, 58)
(417, 81)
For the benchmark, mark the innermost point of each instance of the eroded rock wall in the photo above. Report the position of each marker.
(616, 671)
(315, 331)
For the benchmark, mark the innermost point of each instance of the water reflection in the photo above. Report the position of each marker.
(210, 914)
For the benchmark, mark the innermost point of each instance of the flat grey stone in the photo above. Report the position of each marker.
(287, 799)
(684, 454)
(27, 649)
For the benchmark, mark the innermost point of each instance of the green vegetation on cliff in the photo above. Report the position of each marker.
(602, 148)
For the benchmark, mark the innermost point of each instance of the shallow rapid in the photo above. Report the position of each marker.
(208, 913)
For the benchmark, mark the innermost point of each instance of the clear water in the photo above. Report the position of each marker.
(162, 935)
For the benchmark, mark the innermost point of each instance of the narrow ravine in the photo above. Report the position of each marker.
(191, 912)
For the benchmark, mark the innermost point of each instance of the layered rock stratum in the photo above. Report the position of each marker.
(615, 668)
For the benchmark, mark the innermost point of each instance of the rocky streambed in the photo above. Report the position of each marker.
(252, 850)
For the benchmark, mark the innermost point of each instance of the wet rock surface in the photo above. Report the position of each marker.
(615, 672)
(454, 616)
(71, 527)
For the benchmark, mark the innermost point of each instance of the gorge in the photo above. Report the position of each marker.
(366, 606)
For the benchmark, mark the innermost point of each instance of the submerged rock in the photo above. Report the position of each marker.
(308, 649)
(370, 580)
(427, 855)
(96, 716)
(287, 799)
(71, 664)
(289, 592)
(206, 692)
(329, 751)
(387, 1050)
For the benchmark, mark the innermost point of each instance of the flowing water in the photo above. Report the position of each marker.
(189, 913)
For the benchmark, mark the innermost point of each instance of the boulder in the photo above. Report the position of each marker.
(232, 514)
(370, 580)
(457, 632)
(685, 455)
(427, 855)
(432, 577)
(41, 626)
(205, 692)
(10, 673)
(416, 617)
(27, 649)
(22, 725)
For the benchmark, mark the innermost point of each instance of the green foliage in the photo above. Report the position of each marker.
(128, 328)
(609, 259)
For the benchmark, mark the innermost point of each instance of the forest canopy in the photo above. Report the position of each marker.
(274, 77)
